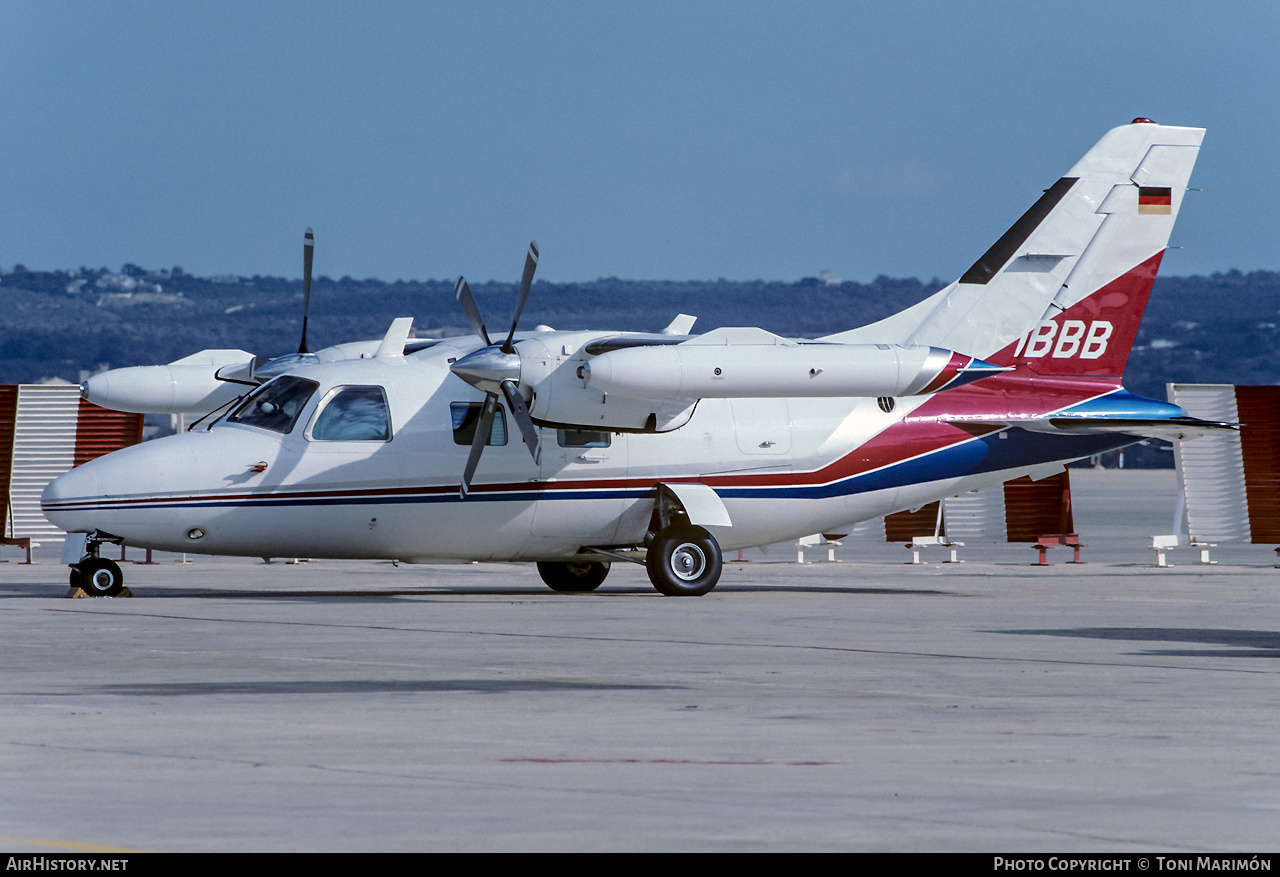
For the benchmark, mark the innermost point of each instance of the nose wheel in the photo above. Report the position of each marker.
(97, 577)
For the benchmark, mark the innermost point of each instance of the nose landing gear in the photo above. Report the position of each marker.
(97, 576)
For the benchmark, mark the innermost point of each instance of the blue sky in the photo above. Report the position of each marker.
(649, 140)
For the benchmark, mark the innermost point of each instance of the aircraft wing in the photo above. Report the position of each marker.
(630, 340)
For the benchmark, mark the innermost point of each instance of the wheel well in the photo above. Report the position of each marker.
(667, 510)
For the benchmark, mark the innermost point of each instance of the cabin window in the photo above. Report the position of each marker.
(466, 416)
(276, 404)
(582, 438)
(352, 414)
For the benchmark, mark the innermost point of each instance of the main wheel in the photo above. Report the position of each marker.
(575, 578)
(99, 577)
(684, 561)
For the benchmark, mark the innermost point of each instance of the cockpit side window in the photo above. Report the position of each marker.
(352, 414)
(276, 405)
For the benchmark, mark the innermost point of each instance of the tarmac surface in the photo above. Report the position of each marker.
(866, 705)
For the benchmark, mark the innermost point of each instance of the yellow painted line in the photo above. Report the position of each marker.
(67, 845)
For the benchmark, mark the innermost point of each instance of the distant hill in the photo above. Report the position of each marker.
(1217, 329)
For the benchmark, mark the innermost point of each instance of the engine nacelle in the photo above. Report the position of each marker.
(696, 370)
(642, 383)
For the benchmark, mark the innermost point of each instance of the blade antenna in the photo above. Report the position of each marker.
(308, 249)
(530, 265)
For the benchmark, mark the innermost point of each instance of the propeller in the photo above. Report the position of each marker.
(308, 249)
(495, 369)
(263, 368)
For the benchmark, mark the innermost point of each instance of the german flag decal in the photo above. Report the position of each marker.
(1155, 199)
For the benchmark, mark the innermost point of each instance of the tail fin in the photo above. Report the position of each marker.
(1064, 289)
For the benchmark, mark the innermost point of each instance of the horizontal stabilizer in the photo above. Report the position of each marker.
(1170, 429)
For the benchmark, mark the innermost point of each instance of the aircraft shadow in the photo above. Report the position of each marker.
(1237, 643)
(534, 592)
(368, 686)
(186, 592)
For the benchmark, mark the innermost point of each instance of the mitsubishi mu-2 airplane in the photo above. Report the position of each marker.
(577, 449)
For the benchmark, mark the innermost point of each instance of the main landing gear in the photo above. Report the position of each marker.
(684, 561)
(682, 558)
(97, 576)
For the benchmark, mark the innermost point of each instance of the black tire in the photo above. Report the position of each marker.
(573, 578)
(99, 577)
(684, 561)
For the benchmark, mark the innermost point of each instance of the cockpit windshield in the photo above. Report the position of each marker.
(276, 405)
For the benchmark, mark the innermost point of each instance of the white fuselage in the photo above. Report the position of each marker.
(364, 451)
(781, 467)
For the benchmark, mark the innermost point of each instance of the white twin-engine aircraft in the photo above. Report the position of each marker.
(577, 449)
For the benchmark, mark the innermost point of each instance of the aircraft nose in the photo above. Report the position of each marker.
(63, 498)
(107, 493)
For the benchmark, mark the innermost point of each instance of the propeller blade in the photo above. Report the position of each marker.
(308, 249)
(483, 428)
(530, 265)
(520, 411)
(462, 293)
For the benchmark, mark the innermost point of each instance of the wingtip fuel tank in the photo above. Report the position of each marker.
(187, 386)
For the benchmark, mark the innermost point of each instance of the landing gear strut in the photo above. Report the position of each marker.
(97, 576)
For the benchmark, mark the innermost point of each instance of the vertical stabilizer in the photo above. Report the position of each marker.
(1064, 289)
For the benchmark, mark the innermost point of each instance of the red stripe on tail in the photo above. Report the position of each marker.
(1093, 336)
